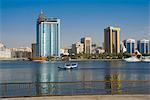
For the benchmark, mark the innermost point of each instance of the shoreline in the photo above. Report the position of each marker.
(95, 59)
(84, 97)
(26, 59)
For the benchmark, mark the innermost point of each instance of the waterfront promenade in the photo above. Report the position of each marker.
(85, 97)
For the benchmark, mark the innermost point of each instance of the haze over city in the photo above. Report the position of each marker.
(79, 18)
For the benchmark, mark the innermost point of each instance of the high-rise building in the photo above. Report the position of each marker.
(112, 40)
(77, 48)
(87, 41)
(130, 46)
(143, 46)
(48, 36)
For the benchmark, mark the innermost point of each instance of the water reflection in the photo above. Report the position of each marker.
(45, 73)
(113, 78)
(112, 84)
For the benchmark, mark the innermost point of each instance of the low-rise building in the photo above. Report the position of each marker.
(94, 46)
(99, 50)
(77, 48)
(4, 52)
(21, 52)
(64, 51)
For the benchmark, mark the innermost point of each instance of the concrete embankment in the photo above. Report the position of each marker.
(12, 59)
(85, 97)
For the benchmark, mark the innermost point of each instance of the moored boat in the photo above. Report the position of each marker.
(39, 59)
(69, 66)
(146, 59)
(132, 59)
(136, 57)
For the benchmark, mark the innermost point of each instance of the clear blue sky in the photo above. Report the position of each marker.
(79, 18)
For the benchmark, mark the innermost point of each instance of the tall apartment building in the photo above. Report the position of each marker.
(112, 40)
(130, 45)
(87, 42)
(48, 36)
(143, 46)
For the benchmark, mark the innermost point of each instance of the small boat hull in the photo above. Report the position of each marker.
(146, 59)
(69, 66)
(132, 59)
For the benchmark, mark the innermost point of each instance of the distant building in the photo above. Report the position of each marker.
(21, 52)
(99, 50)
(124, 43)
(2, 46)
(64, 51)
(77, 48)
(87, 42)
(143, 46)
(48, 36)
(130, 45)
(94, 46)
(4, 52)
(112, 40)
(123, 47)
(14, 52)
(33, 49)
(70, 51)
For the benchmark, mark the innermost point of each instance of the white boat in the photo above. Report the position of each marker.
(136, 57)
(69, 66)
(132, 59)
(146, 59)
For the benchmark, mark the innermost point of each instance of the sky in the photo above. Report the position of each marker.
(79, 18)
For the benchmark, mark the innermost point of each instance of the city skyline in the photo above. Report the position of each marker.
(84, 18)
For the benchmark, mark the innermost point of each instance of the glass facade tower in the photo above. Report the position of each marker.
(48, 36)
